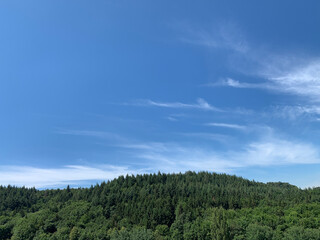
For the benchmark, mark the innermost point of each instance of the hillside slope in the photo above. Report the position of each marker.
(163, 206)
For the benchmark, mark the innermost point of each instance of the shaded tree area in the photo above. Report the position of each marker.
(163, 206)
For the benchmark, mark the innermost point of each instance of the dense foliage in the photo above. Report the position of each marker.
(163, 206)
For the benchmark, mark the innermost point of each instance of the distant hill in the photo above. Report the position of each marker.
(163, 206)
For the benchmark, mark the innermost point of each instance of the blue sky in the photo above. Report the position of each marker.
(93, 90)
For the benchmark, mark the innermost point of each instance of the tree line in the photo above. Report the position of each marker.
(163, 206)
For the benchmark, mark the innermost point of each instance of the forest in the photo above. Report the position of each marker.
(163, 206)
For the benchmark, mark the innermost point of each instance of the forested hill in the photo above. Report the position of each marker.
(163, 206)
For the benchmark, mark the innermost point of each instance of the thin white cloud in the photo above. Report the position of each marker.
(201, 104)
(85, 133)
(229, 82)
(285, 72)
(311, 112)
(176, 117)
(169, 157)
(292, 112)
(153, 146)
(172, 119)
(209, 136)
(279, 152)
(302, 80)
(225, 36)
(181, 159)
(89, 133)
(271, 151)
(54, 177)
(227, 125)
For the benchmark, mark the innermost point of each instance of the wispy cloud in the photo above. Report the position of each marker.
(302, 80)
(55, 177)
(311, 112)
(279, 152)
(172, 119)
(169, 157)
(153, 146)
(282, 72)
(270, 151)
(89, 133)
(209, 136)
(226, 35)
(227, 125)
(201, 104)
(229, 82)
(310, 109)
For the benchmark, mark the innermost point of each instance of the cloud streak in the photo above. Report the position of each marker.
(169, 158)
(55, 177)
(209, 136)
(227, 125)
(229, 82)
(87, 133)
(201, 104)
(271, 151)
(311, 112)
(300, 80)
(225, 36)
(279, 152)
(296, 80)
(285, 73)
